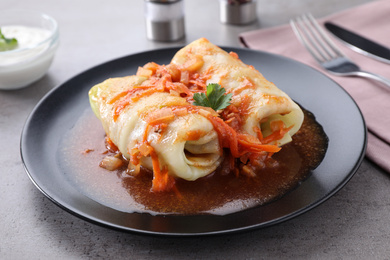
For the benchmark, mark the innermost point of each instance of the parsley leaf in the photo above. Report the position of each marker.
(215, 97)
(7, 44)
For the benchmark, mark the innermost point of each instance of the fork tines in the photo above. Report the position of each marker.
(314, 38)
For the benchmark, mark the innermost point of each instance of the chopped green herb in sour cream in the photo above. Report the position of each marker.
(7, 44)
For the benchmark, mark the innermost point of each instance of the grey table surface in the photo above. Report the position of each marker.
(353, 224)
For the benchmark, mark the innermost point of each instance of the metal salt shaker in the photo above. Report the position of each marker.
(164, 19)
(237, 12)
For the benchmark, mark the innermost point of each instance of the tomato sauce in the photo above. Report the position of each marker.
(224, 192)
(220, 193)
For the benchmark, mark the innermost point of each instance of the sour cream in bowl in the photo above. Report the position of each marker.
(37, 39)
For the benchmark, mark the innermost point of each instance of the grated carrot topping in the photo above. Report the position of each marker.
(278, 131)
(165, 119)
(233, 54)
(110, 145)
(245, 84)
(162, 181)
(194, 135)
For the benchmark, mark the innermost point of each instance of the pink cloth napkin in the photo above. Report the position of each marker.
(371, 20)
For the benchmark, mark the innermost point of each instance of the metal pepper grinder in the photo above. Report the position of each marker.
(238, 12)
(164, 20)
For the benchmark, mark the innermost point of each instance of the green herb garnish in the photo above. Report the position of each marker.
(215, 97)
(7, 44)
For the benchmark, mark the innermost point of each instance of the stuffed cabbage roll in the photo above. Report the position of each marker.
(264, 110)
(156, 130)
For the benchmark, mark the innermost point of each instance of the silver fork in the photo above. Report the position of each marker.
(325, 52)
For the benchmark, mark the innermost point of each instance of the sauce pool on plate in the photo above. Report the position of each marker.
(219, 193)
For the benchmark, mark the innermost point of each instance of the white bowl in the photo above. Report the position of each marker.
(30, 61)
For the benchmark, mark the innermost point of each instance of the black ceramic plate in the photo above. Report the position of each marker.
(334, 109)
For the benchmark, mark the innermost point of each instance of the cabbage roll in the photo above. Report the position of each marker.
(262, 105)
(185, 143)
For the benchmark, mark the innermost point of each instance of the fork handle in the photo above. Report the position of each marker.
(373, 76)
